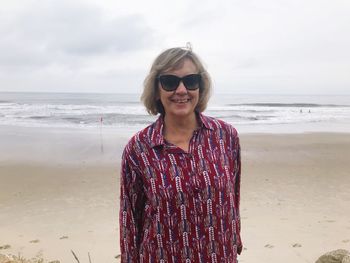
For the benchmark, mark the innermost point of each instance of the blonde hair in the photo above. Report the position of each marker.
(170, 59)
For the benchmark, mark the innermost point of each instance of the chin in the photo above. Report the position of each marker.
(181, 113)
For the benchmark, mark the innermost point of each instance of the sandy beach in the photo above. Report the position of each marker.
(59, 192)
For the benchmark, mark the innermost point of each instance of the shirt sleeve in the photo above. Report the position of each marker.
(132, 201)
(237, 193)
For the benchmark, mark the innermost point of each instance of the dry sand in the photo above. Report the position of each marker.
(295, 196)
(53, 210)
(294, 207)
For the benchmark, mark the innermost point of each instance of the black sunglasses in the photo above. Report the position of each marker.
(171, 82)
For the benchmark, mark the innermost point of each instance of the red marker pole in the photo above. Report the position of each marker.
(101, 139)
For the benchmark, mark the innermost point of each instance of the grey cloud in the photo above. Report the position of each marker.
(62, 32)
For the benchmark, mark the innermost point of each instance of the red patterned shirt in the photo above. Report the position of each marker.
(179, 206)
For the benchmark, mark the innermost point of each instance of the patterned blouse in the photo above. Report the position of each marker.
(179, 206)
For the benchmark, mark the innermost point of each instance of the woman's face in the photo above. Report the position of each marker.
(180, 102)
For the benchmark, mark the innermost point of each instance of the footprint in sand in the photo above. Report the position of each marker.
(34, 241)
(64, 237)
(269, 246)
(346, 241)
(5, 246)
(296, 245)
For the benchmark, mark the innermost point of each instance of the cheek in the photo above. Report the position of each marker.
(195, 94)
(163, 97)
(197, 100)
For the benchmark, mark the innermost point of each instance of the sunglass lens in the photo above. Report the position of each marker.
(169, 82)
(192, 81)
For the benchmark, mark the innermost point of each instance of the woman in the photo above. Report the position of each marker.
(180, 178)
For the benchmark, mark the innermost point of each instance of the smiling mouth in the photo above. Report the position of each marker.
(180, 100)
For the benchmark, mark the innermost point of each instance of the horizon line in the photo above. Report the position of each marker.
(214, 93)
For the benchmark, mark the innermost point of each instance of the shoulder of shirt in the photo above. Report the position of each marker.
(142, 137)
(217, 124)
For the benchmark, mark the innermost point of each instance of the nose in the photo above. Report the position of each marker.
(181, 88)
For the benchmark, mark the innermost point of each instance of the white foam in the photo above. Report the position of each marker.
(126, 113)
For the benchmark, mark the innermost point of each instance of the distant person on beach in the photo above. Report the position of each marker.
(180, 176)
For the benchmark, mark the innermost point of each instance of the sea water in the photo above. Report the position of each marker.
(247, 112)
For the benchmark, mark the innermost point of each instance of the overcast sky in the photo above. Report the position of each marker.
(248, 46)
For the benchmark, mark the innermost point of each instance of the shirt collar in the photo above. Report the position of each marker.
(156, 131)
(205, 121)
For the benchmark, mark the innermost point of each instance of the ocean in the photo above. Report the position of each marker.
(248, 113)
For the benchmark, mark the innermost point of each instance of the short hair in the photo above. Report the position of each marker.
(173, 58)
